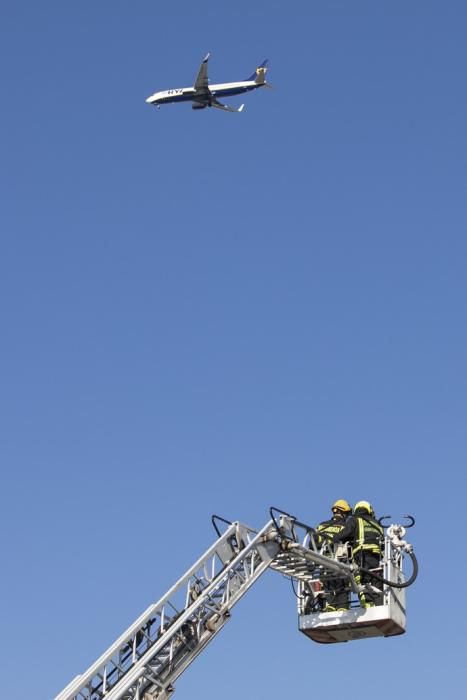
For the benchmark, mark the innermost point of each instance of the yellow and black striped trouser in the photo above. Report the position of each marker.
(368, 558)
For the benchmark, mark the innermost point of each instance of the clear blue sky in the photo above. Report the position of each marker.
(214, 313)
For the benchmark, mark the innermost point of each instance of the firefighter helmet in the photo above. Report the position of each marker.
(341, 505)
(364, 506)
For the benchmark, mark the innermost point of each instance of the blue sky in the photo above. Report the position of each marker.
(215, 313)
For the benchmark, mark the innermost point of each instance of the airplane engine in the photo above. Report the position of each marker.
(198, 105)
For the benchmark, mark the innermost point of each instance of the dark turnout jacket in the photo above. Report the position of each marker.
(330, 528)
(363, 532)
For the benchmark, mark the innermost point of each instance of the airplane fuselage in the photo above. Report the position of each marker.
(188, 94)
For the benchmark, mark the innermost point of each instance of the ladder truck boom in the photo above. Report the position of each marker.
(147, 659)
(144, 662)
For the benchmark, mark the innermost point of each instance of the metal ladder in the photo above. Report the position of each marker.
(146, 660)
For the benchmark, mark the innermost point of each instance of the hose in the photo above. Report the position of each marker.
(223, 520)
(296, 594)
(410, 519)
(393, 584)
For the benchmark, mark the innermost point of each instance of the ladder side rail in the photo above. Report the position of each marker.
(334, 565)
(236, 579)
(159, 689)
(161, 692)
(305, 547)
(214, 553)
(304, 565)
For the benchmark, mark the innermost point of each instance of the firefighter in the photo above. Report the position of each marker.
(337, 590)
(366, 536)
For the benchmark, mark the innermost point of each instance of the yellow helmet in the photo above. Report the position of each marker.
(341, 505)
(364, 505)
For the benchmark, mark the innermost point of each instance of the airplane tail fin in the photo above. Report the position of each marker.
(259, 76)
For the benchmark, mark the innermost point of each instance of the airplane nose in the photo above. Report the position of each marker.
(150, 99)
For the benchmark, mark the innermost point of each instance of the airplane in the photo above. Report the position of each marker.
(203, 95)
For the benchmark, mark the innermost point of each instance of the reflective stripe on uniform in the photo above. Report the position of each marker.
(369, 535)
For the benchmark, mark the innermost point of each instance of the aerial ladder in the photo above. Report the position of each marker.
(146, 660)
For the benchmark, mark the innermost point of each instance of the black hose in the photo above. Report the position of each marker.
(276, 524)
(297, 595)
(218, 517)
(410, 519)
(294, 522)
(393, 584)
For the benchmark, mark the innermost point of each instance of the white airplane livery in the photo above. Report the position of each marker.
(202, 94)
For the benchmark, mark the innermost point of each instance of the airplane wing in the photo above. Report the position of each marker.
(226, 108)
(202, 83)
